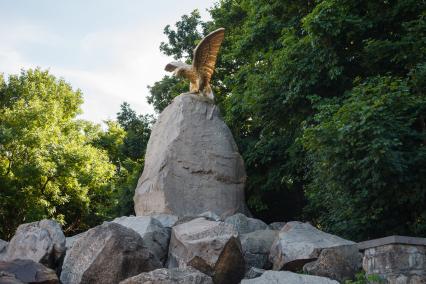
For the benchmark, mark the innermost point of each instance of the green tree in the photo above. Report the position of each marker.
(367, 152)
(125, 141)
(289, 74)
(48, 167)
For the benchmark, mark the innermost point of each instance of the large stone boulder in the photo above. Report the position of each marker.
(244, 224)
(186, 275)
(340, 263)
(154, 235)
(107, 253)
(26, 271)
(287, 277)
(41, 241)
(299, 243)
(256, 247)
(192, 164)
(211, 247)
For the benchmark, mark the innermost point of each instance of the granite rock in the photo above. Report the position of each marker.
(192, 164)
(211, 247)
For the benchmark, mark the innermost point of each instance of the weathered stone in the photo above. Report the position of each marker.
(405, 279)
(154, 235)
(397, 263)
(192, 164)
(186, 275)
(107, 253)
(9, 278)
(41, 241)
(186, 219)
(26, 271)
(3, 248)
(211, 247)
(167, 220)
(69, 241)
(210, 216)
(299, 243)
(256, 247)
(405, 240)
(287, 277)
(244, 224)
(254, 272)
(339, 263)
(276, 225)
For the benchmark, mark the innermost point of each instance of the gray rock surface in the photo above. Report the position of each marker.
(211, 247)
(210, 216)
(192, 164)
(254, 272)
(276, 225)
(339, 263)
(397, 263)
(167, 220)
(154, 235)
(69, 241)
(299, 243)
(186, 275)
(287, 277)
(107, 253)
(3, 248)
(256, 247)
(41, 241)
(26, 271)
(244, 224)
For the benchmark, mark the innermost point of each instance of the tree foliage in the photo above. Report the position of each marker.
(48, 167)
(326, 102)
(53, 165)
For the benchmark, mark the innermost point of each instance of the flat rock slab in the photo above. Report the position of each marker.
(41, 241)
(186, 275)
(299, 243)
(192, 164)
(287, 277)
(106, 254)
(211, 247)
(403, 240)
(26, 271)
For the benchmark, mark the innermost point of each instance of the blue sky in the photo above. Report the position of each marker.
(108, 49)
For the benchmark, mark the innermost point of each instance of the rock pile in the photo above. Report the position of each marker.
(198, 249)
(190, 226)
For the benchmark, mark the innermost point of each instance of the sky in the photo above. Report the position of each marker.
(109, 49)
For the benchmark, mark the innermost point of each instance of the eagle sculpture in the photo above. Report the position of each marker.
(203, 63)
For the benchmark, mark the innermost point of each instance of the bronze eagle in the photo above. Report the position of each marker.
(203, 64)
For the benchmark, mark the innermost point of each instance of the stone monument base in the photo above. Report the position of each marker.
(192, 164)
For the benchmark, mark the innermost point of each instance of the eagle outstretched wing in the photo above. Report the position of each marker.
(205, 55)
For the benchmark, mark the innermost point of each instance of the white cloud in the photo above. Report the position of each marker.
(110, 63)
